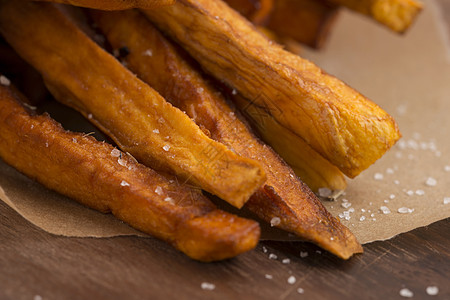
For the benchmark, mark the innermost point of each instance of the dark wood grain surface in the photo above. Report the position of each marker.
(38, 265)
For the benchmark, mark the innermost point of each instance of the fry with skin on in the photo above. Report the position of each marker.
(115, 4)
(305, 21)
(398, 15)
(82, 75)
(336, 121)
(106, 179)
(283, 196)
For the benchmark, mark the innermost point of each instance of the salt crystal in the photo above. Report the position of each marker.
(331, 238)
(166, 148)
(268, 276)
(122, 162)
(286, 261)
(46, 145)
(378, 176)
(431, 181)
(432, 290)
(405, 210)
(410, 193)
(447, 200)
(155, 131)
(208, 286)
(318, 252)
(291, 280)
(351, 210)
(324, 192)
(447, 168)
(363, 210)
(372, 215)
(124, 183)
(170, 200)
(264, 249)
(300, 291)
(389, 171)
(37, 297)
(147, 52)
(200, 90)
(303, 254)
(159, 190)
(275, 221)
(386, 201)
(406, 293)
(396, 182)
(362, 218)
(391, 196)
(346, 204)
(234, 92)
(89, 116)
(385, 210)
(273, 256)
(74, 140)
(420, 192)
(4, 81)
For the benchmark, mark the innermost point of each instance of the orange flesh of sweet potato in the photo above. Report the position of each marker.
(157, 62)
(82, 75)
(339, 123)
(106, 179)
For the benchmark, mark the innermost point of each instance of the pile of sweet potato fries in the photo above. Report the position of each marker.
(138, 71)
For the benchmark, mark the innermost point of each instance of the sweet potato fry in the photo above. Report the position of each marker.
(81, 74)
(305, 21)
(398, 15)
(106, 179)
(115, 4)
(336, 121)
(283, 196)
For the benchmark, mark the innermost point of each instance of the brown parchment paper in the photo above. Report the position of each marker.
(409, 76)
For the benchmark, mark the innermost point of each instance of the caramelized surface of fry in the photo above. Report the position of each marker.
(336, 121)
(115, 4)
(106, 179)
(82, 75)
(398, 15)
(305, 21)
(283, 195)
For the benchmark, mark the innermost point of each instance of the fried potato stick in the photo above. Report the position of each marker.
(81, 74)
(283, 197)
(305, 21)
(398, 15)
(339, 123)
(106, 179)
(115, 4)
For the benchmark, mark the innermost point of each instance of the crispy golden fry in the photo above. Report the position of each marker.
(106, 179)
(115, 4)
(310, 166)
(398, 15)
(157, 62)
(82, 75)
(305, 21)
(339, 123)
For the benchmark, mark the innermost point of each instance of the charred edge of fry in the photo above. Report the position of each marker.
(283, 194)
(103, 178)
(125, 108)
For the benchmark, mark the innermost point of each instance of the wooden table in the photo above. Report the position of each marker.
(38, 265)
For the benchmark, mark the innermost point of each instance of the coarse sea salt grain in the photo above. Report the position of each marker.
(391, 196)
(447, 168)
(264, 249)
(166, 148)
(420, 192)
(446, 200)
(432, 290)
(410, 192)
(405, 210)
(286, 261)
(431, 181)
(300, 291)
(170, 200)
(268, 276)
(378, 176)
(4, 81)
(275, 221)
(303, 254)
(362, 218)
(291, 280)
(159, 190)
(208, 286)
(346, 204)
(124, 183)
(273, 256)
(385, 210)
(406, 293)
(147, 52)
(122, 162)
(155, 131)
